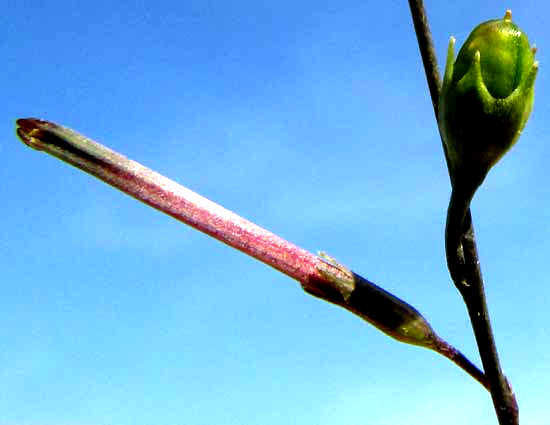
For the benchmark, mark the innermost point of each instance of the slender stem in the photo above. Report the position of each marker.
(463, 362)
(427, 50)
(323, 278)
(502, 393)
(472, 292)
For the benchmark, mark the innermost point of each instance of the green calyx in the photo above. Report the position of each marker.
(486, 98)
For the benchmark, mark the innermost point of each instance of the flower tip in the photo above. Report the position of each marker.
(508, 15)
(530, 79)
(534, 49)
(452, 42)
(477, 57)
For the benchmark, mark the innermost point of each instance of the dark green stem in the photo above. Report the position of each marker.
(504, 399)
(459, 205)
(427, 50)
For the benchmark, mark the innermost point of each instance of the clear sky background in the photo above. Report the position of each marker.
(312, 119)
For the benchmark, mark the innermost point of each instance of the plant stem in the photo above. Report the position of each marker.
(473, 293)
(323, 278)
(427, 50)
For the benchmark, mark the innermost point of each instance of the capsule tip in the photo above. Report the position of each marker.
(508, 15)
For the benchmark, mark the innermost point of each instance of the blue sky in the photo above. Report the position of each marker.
(311, 119)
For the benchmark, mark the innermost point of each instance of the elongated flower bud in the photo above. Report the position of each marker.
(486, 98)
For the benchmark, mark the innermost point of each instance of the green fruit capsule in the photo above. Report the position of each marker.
(486, 98)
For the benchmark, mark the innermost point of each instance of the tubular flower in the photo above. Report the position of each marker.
(486, 98)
